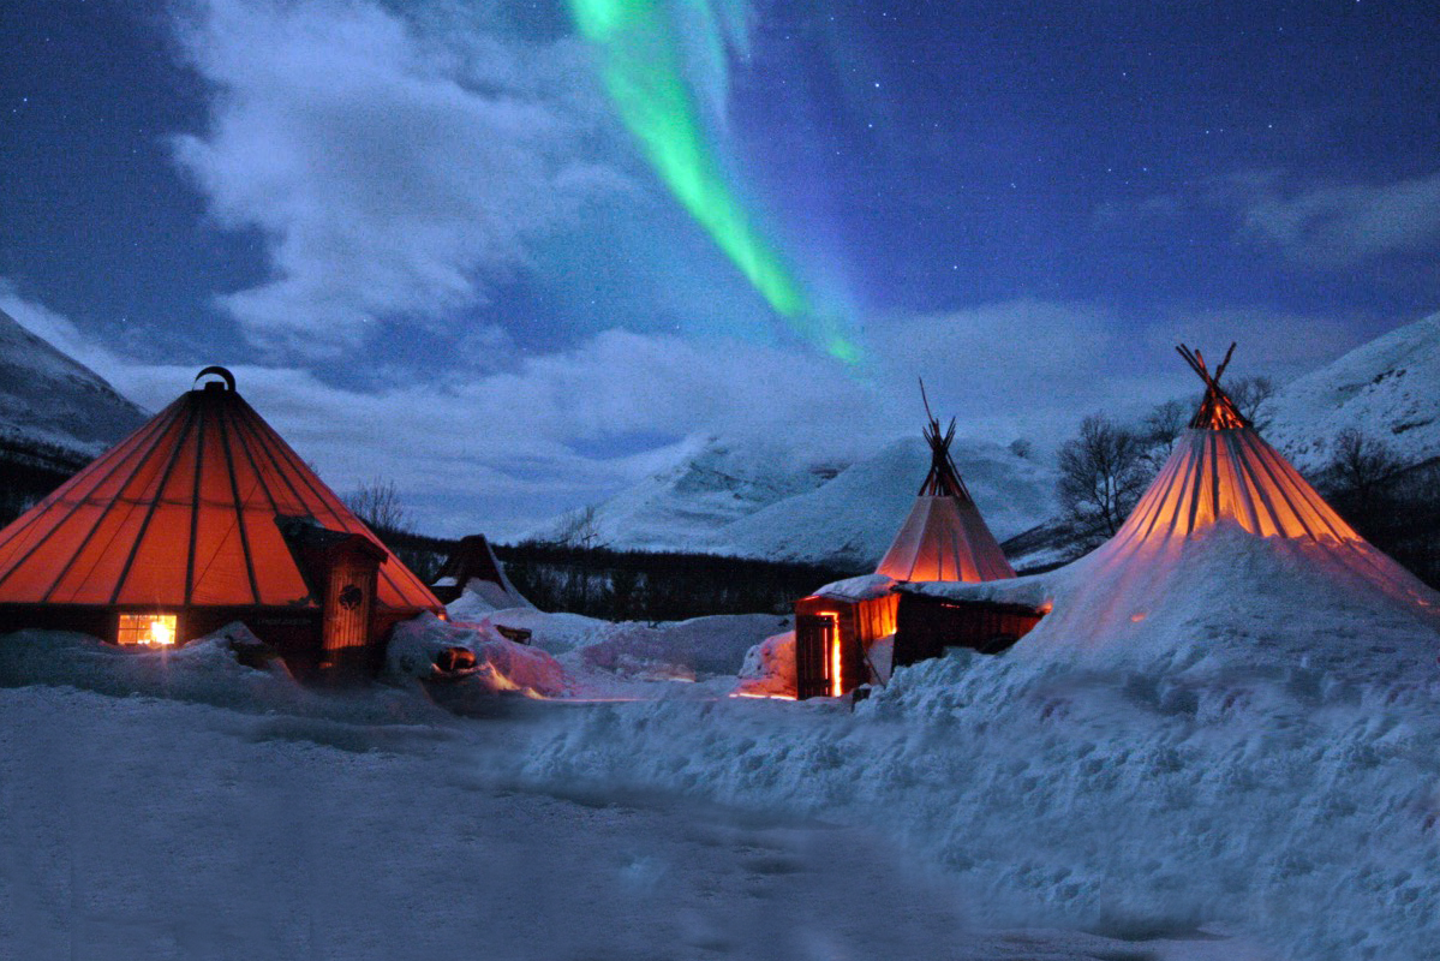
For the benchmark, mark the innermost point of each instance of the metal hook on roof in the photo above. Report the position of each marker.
(220, 372)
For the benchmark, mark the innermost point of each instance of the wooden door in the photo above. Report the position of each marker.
(349, 600)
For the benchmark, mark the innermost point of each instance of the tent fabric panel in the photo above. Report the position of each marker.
(219, 570)
(277, 577)
(42, 545)
(156, 566)
(1318, 517)
(1230, 475)
(944, 539)
(397, 586)
(112, 525)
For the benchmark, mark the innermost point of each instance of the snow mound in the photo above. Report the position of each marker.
(220, 669)
(1388, 388)
(769, 668)
(1264, 735)
(1227, 597)
(501, 666)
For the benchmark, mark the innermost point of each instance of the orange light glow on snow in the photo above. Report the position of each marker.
(1137, 618)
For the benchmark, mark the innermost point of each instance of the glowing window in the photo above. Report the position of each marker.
(147, 630)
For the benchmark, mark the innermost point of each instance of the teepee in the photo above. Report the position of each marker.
(1227, 525)
(472, 568)
(201, 517)
(944, 538)
(1221, 471)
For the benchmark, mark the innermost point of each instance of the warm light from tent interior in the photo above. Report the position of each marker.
(147, 630)
(832, 642)
(1137, 618)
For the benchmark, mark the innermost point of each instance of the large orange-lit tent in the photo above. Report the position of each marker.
(944, 538)
(201, 517)
(1220, 470)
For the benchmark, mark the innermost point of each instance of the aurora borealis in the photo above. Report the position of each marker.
(641, 62)
(553, 243)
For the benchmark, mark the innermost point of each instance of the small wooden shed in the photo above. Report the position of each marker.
(834, 630)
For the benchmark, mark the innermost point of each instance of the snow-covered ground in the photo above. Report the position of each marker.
(1234, 754)
(224, 812)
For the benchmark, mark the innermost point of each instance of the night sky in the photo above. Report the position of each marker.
(515, 255)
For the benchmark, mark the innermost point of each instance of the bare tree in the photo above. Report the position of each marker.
(1363, 467)
(581, 528)
(1161, 427)
(377, 502)
(1251, 395)
(1102, 473)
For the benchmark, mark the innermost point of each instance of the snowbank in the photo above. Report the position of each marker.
(667, 650)
(208, 670)
(500, 665)
(1264, 740)
(769, 668)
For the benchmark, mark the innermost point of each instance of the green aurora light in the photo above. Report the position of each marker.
(642, 68)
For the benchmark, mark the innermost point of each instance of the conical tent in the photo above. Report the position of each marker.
(944, 538)
(473, 568)
(1222, 471)
(205, 514)
(1227, 525)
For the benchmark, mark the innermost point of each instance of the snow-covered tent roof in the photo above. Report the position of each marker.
(944, 538)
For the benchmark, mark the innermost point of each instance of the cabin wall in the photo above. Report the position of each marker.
(875, 618)
(925, 626)
(295, 634)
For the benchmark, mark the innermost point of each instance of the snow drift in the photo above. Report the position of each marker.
(1225, 739)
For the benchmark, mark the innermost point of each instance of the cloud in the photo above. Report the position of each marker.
(397, 166)
(503, 448)
(1326, 225)
(1343, 225)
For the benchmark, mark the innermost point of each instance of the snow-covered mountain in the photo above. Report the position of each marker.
(713, 485)
(1388, 389)
(749, 500)
(48, 398)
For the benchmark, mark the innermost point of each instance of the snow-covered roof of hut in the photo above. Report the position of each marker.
(862, 588)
